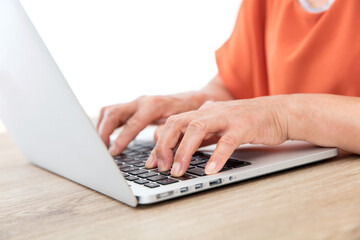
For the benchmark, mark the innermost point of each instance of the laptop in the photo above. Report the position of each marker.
(47, 123)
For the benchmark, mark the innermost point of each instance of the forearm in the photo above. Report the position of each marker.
(213, 91)
(325, 120)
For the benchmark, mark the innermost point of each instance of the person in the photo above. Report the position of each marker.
(289, 71)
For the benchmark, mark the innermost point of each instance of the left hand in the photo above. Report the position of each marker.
(232, 123)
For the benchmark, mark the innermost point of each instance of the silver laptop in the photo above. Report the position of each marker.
(49, 126)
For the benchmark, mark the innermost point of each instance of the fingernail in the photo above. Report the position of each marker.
(150, 162)
(175, 170)
(114, 150)
(210, 168)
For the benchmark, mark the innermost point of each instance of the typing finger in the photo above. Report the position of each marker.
(132, 128)
(101, 115)
(195, 133)
(158, 132)
(168, 140)
(113, 118)
(225, 147)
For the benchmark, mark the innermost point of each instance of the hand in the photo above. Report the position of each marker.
(138, 114)
(232, 123)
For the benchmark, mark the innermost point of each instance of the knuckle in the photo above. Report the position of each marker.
(227, 141)
(196, 126)
(159, 150)
(172, 120)
(142, 98)
(207, 105)
(133, 123)
(158, 132)
(161, 147)
(154, 99)
(118, 144)
(110, 112)
(179, 152)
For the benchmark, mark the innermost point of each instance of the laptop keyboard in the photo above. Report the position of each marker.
(132, 165)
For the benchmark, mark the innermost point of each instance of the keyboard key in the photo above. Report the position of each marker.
(185, 177)
(166, 173)
(201, 165)
(152, 185)
(232, 163)
(202, 157)
(125, 159)
(125, 175)
(129, 169)
(131, 154)
(141, 181)
(135, 147)
(197, 162)
(138, 172)
(125, 152)
(225, 169)
(133, 162)
(146, 175)
(197, 171)
(141, 155)
(198, 154)
(139, 165)
(157, 178)
(131, 178)
(121, 156)
(167, 181)
(124, 166)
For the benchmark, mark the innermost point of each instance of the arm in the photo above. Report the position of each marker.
(216, 91)
(326, 120)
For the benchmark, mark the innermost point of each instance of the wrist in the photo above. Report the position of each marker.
(192, 100)
(296, 116)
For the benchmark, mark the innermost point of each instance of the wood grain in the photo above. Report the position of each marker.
(319, 201)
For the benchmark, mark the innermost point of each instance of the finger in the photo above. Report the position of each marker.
(158, 132)
(113, 118)
(132, 128)
(196, 132)
(193, 137)
(168, 140)
(152, 161)
(225, 147)
(101, 115)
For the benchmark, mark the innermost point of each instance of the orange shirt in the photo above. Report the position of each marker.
(277, 47)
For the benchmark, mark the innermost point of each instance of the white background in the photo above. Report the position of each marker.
(113, 51)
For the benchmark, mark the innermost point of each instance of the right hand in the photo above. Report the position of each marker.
(138, 114)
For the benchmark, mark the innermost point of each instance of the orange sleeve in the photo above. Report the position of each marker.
(241, 60)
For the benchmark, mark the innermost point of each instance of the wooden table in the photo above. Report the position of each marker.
(320, 201)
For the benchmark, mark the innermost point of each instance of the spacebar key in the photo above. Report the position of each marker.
(197, 171)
